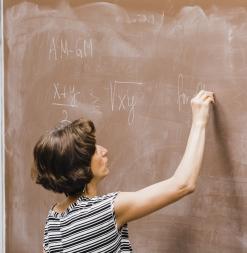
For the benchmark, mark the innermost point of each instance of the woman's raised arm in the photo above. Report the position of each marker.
(133, 205)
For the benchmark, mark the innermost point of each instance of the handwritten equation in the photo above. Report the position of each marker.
(123, 98)
(182, 97)
(64, 95)
(60, 49)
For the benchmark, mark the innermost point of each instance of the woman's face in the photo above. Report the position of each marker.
(99, 162)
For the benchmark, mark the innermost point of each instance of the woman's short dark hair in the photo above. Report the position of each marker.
(62, 157)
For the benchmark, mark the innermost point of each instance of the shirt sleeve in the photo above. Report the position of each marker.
(112, 199)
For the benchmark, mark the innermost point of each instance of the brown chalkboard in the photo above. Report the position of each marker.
(132, 67)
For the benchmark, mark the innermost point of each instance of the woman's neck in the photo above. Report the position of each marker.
(91, 189)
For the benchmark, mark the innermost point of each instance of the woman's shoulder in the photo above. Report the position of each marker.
(82, 202)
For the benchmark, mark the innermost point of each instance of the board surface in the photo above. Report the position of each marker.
(132, 67)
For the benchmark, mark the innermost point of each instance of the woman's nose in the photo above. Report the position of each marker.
(103, 150)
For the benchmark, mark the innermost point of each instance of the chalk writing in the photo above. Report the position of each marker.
(64, 95)
(182, 97)
(60, 49)
(143, 18)
(95, 100)
(122, 100)
(66, 117)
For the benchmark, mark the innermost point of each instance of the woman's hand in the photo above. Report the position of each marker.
(200, 107)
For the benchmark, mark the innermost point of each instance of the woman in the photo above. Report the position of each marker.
(68, 160)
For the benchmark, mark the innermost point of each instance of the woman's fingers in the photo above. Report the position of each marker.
(204, 95)
(209, 99)
(200, 106)
(200, 93)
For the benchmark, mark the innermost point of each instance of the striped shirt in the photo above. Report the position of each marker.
(87, 226)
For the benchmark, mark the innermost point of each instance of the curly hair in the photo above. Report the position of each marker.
(62, 157)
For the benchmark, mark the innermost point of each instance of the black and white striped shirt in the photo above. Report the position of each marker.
(87, 226)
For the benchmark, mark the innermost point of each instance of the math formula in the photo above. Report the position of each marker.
(64, 95)
(61, 48)
(123, 97)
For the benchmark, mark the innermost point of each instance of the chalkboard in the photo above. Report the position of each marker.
(132, 67)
